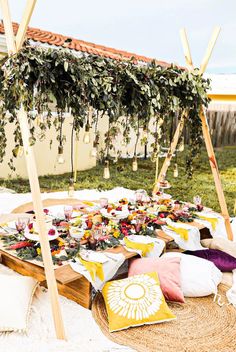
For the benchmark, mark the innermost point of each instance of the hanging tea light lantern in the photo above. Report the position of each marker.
(71, 189)
(86, 138)
(60, 157)
(106, 172)
(181, 145)
(135, 164)
(94, 151)
(176, 172)
(145, 133)
(115, 160)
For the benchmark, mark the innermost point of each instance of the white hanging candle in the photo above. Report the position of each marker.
(60, 157)
(71, 189)
(94, 151)
(106, 172)
(176, 172)
(181, 145)
(86, 138)
(135, 164)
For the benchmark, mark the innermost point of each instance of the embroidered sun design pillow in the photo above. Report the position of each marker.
(137, 300)
(16, 296)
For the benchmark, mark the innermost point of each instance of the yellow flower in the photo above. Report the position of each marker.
(87, 234)
(38, 251)
(116, 234)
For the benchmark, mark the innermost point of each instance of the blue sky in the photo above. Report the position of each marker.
(147, 27)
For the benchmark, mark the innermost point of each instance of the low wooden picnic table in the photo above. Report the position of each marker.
(70, 283)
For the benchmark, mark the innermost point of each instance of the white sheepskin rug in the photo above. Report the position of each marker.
(83, 335)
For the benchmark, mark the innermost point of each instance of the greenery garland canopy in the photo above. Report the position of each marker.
(131, 94)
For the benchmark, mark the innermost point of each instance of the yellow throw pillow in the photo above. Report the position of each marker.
(137, 300)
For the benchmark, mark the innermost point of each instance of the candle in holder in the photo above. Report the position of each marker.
(92, 243)
(97, 231)
(103, 202)
(197, 200)
(138, 196)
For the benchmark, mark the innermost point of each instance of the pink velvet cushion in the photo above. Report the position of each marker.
(168, 270)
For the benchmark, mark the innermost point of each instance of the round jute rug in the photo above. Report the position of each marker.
(201, 326)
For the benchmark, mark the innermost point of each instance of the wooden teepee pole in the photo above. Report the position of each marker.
(32, 170)
(171, 151)
(179, 129)
(207, 136)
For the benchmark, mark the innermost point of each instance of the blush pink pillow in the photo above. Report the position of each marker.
(168, 270)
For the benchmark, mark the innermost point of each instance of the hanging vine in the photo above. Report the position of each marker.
(40, 78)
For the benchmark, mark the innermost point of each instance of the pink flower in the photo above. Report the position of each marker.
(30, 226)
(125, 231)
(46, 211)
(51, 232)
(103, 238)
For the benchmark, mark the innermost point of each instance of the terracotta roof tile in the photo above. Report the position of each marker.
(50, 38)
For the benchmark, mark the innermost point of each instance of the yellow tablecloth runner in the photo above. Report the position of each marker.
(94, 269)
(212, 221)
(144, 247)
(180, 231)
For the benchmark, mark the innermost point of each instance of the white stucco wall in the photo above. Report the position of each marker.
(46, 157)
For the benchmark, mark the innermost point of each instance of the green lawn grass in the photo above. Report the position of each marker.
(122, 175)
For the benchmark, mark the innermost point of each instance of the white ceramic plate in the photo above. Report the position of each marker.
(118, 214)
(76, 232)
(35, 237)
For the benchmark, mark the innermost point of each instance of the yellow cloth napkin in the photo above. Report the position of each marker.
(94, 269)
(212, 221)
(180, 231)
(145, 248)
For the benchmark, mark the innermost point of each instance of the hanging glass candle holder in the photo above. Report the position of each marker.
(135, 164)
(86, 138)
(145, 133)
(165, 146)
(71, 189)
(94, 150)
(176, 171)
(106, 172)
(60, 157)
(181, 145)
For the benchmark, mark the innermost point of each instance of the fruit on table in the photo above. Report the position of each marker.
(21, 244)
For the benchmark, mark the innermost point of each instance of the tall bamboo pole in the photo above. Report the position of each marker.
(32, 172)
(207, 136)
(179, 129)
(171, 151)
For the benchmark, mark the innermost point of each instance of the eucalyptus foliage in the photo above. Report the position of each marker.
(130, 93)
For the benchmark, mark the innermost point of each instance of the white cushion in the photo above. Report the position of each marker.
(222, 244)
(199, 277)
(16, 294)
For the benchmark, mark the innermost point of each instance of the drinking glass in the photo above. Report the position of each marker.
(68, 210)
(197, 200)
(103, 202)
(140, 220)
(97, 232)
